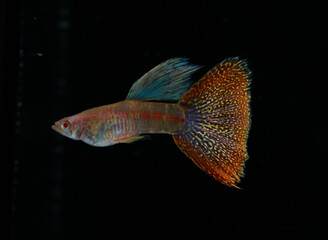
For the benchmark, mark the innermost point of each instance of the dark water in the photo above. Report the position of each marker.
(58, 58)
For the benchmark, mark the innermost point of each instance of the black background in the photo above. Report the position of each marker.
(58, 58)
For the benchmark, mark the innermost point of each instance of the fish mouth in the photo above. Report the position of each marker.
(55, 127)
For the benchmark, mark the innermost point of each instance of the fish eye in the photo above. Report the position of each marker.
(66, 125)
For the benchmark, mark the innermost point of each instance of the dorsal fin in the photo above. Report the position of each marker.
(167, 81)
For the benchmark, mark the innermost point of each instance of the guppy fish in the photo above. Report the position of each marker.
(209, 122)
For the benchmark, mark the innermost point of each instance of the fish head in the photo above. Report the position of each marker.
(87, 127)
(70, 127)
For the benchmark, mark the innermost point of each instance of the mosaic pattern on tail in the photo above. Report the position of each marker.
(219, 118)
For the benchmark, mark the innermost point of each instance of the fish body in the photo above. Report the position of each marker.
(124, 122)
(209, 123)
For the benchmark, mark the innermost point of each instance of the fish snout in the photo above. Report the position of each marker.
(55, 127)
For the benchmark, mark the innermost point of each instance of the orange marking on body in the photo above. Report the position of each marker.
(171, 118)
(157, 115)
(144, 115)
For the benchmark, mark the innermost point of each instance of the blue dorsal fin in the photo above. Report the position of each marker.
(167, 81)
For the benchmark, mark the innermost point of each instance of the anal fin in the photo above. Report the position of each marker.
(132, 139)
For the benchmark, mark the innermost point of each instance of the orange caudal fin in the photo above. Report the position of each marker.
(216, 132)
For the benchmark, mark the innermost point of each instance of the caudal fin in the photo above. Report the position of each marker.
(216, 132)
